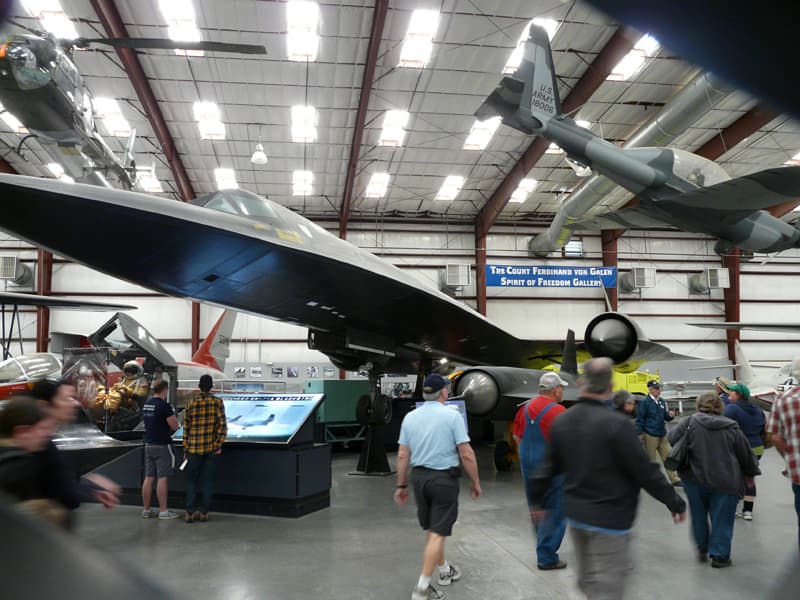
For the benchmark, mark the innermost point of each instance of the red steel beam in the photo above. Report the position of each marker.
(195, 327)
(5, 167)
(376, 33)
(744, 126)
(609, 239)
(44, 285)
(617, 47)
(112, 22)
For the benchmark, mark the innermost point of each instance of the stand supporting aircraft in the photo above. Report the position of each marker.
(261, 258)
(674, 187)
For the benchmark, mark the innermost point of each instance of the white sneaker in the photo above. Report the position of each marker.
(452, 574)
(429, 594)
(167, 514)
(745, 514)
(148, 513)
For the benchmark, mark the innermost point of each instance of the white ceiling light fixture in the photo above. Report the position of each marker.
(58, 172)
(524, 189)
(450, 188)
(181, 24)
(302, 20)
(394, 124)
(633, 61)
(553, 148)
(377, 186)
(110, 113)
(550, 26)
(52, 17)
(304, 124)
(418, 44)
(481, 134)
(226, 179)
(302, 183)
(208, 121)
(259, 156)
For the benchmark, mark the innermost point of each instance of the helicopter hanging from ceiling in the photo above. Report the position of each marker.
(43, 89)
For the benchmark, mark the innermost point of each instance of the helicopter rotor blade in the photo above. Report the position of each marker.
(166, 44)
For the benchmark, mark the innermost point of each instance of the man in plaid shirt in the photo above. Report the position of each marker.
(784, 424)
(204, 430)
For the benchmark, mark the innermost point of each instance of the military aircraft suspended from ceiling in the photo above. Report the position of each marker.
(41, 86)
(674, 187)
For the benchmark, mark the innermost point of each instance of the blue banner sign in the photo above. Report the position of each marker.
(552, 276)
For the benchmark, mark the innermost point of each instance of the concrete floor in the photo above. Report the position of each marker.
(365, 547)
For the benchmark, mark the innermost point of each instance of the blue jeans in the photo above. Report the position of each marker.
(705, 502)
(200, 472)
(796, 490)
(550, 531)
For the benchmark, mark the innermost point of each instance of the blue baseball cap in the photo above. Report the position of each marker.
(434, 383)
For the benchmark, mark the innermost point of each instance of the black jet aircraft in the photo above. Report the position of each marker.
(674, 187)
(235, 249)
(41, 86)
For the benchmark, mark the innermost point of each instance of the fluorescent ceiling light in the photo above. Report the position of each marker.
(304, 124)
(108, 110)
(377, 186)
(553, 149)
(302, 19)
(58, 172)
(393, 132)
(418, 44)
(526, 186)
(182, 27)
(481, 133)
(226, 179)
(51, 17)
(550, 26)
(13, 122)
(646, 47)
(301, 183)
(207, 116)
(450, 188)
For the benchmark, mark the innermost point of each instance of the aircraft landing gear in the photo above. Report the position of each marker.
(375, 411)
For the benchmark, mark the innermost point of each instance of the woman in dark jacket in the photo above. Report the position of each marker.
(720, 462)
(751, 421)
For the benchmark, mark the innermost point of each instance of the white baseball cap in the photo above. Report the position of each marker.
(551, 380)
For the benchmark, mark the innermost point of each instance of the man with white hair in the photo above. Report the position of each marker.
(532, 434)
(784, 425)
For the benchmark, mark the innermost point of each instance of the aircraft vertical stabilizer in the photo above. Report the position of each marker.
(744, 372)
(216, 348)
(569, 359)
(537, 71)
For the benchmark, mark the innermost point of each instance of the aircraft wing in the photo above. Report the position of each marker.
(636, 217)
(740, 325)
(12, 298)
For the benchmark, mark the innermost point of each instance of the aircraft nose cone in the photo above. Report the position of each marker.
(480, 392)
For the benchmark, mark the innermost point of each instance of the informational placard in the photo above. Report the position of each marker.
(550, 276)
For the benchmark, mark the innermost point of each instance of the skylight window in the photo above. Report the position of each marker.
(646, 47)
(302, 19)
(304, 124)
(208, 121)
(182, 27)
(51, 17)
(550, 26)
(450, 188)
(108, 110)
(58, 172)
(418, 44)
(526, 186)
(481, 133)
(394, 123)
(377, 186)
(794, 161)
(226, 179)
(148, 181)
(13, 122)
(302, 183)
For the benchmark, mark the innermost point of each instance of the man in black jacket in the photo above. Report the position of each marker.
(605, 467)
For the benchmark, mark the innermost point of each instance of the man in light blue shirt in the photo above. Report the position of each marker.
(432, 439)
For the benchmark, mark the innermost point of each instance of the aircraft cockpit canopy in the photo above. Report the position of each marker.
(28, 366)
(238, 202)
(31, 60)
(699, 170)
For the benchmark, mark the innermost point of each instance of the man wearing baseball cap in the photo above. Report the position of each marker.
(532, 434)
(432, 439)
(651, 414)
